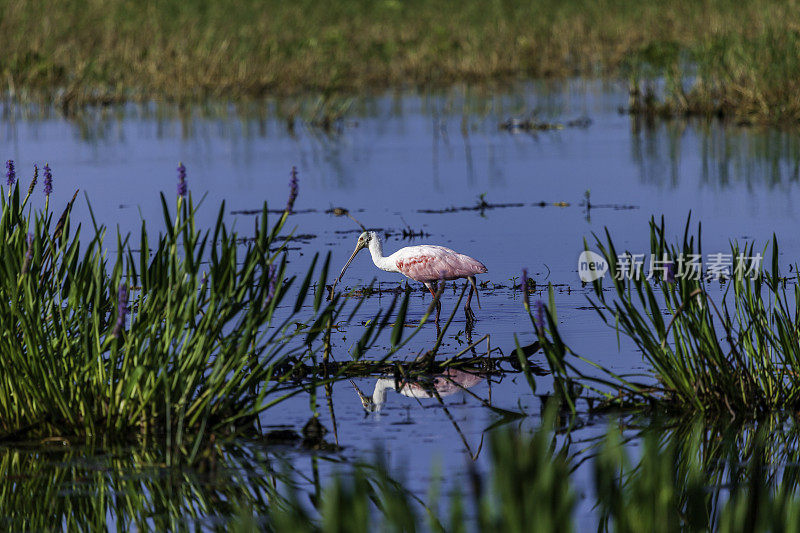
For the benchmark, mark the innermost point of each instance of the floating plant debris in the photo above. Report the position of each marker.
(532, 124)
(304, 237)
(482, 206)
(514, 125)
(273, 211)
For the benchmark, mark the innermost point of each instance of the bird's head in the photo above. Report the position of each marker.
(364, 240)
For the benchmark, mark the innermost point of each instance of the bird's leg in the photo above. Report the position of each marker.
(467, 309)
(431, 285)
(434, 288)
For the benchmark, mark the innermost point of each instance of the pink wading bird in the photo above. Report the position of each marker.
(425, 263)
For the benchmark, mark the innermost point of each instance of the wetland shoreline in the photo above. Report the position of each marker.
(714, 58)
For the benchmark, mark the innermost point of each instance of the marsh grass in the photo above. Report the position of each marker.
(699, 476)
(174, 340)
(85, 489)
(748, 78)
(685, 474)
(682, 477)
(718, 57)
(731, 350)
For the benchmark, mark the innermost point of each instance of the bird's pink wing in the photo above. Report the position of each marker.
(432, 263)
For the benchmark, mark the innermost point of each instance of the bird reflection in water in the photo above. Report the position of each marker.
(437, 386)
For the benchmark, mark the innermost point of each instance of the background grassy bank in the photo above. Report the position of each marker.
(746, 55)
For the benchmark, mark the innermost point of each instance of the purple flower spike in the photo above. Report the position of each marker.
(540, 317)
(122, 309)
(292, 191)
(273, 281)
(670, 277)
(182, 180)
(48, 180)
(11, 173)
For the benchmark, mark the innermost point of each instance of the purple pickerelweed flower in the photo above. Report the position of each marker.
(539, 317)
(11, 173)
(182, 180)
(292, 190)
(525, 287)
(122, 309)
(273, 281)
(48, 180)
(670, 274)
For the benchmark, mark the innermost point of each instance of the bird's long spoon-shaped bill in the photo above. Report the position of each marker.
(358, 248)
(335, 283)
